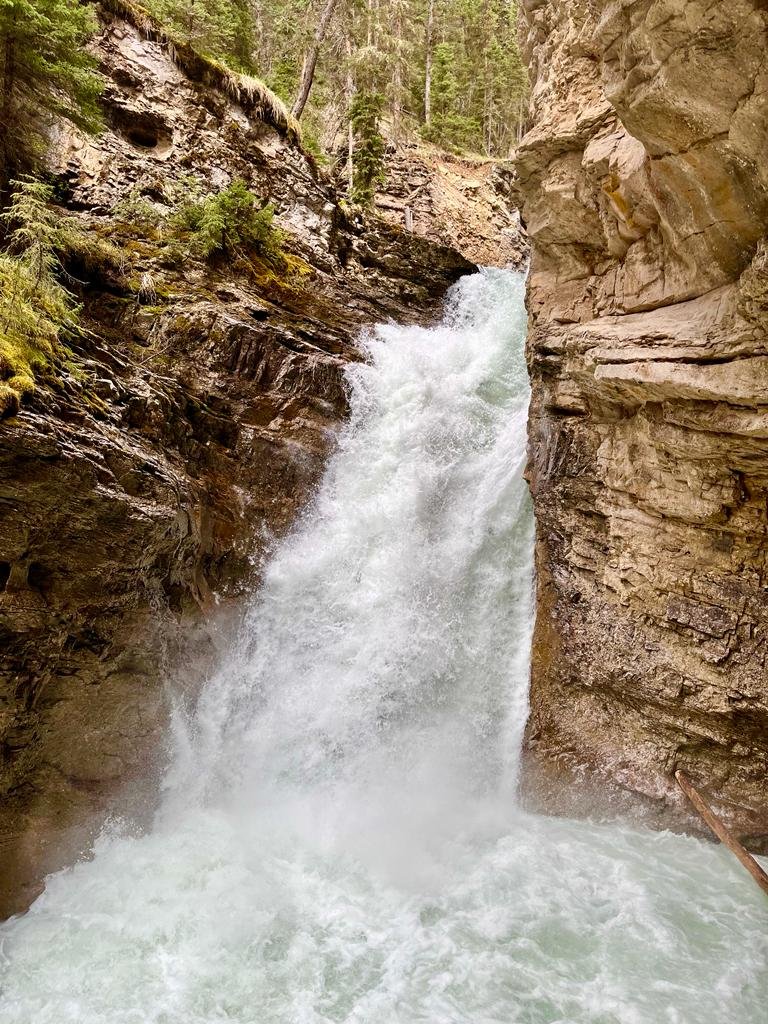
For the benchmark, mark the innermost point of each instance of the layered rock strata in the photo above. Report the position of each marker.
(644, 185)
(454, 200)
(139, 491)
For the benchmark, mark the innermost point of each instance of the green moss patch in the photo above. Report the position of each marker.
(33, 312)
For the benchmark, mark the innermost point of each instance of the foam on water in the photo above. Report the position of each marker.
(338, 839)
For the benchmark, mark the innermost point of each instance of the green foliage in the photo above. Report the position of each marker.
(455, 132)
(448, 127)
(229, 221)
(217, 28)
(36, 310)
(36, 229)
(33, 312)
(445, 80)
(45, 72)
(368, 155)
(312, 145)
(283, 77)
(34, 307)
(189, 221)
(478, 81)
(136, 210)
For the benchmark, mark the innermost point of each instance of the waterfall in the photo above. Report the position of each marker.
(338, 839)
(391, 631)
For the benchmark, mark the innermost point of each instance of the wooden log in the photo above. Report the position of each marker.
(721, 831)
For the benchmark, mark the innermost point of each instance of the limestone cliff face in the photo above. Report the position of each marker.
(139, 492)
(644, 184)
(454, 200)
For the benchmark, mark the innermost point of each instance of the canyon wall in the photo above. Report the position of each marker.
(459, 201)
(644, 187)
(143, 483)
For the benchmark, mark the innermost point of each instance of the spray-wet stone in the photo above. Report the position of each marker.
(338, 840)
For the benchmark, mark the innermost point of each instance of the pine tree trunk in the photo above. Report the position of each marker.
(6, 114)
(397, 73)
(350, 90)
(310, 60)
(428, 63)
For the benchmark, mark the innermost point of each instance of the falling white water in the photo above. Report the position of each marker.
(338, 840)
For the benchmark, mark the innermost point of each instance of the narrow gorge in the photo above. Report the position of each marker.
(387, 525)
(139, 495)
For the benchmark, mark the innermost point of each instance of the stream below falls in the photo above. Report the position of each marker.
(338, 838)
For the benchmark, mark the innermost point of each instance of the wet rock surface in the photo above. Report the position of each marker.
(644, 189)
(139, 493)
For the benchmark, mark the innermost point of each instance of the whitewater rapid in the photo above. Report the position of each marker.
(338, 839)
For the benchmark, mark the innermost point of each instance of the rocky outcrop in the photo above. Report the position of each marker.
(140, 489)
(645, 193)
(459, 201)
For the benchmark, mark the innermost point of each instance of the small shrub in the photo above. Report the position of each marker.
(137, 211)
(231, 222)
(313, 147)
(34, 309)
(454, 132)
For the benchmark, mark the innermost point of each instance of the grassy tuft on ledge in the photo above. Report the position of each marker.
(250, 93)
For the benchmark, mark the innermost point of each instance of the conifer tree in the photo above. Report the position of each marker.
(368, 155)
(45, 72)
(217, 28)
(449, 70)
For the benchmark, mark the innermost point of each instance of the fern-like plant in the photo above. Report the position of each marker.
(230, 221)
(33, 305)
(36, 309)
